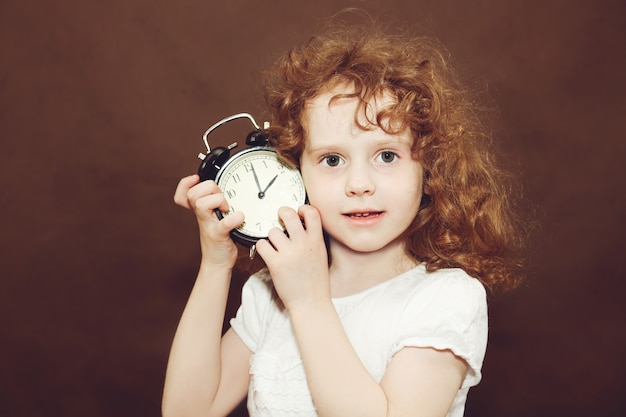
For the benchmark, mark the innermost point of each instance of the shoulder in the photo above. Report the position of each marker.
(454, 288)
(418, 292)
(445, 289)
(447, 296)
(443, 303)
(422, 302)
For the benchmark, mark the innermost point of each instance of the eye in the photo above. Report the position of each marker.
(332, 160)
(387, 157)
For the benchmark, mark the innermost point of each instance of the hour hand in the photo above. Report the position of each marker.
(262, 193)
(270, 184)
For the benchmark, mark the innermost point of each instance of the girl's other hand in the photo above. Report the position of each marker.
(297, 262)
(218, 249)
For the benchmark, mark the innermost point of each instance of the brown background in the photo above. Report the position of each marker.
(102, 108)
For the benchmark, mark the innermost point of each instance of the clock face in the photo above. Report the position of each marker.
(257, 183)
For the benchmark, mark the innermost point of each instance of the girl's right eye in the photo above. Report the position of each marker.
(332, 160)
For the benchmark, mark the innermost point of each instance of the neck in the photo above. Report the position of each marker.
(352, 272)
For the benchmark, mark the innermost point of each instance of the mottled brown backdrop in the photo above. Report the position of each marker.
(102, 108)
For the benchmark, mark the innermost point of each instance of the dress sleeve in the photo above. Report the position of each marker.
(448, 313)
(256, 296)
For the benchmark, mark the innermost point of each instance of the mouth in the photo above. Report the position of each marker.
(363, 214)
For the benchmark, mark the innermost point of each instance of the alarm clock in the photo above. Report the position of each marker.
(255, 181)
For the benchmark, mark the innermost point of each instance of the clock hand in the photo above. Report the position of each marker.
(256, 179)
(270, 184)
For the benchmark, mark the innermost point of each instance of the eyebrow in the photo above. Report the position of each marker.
(318, 149)
(331, 147)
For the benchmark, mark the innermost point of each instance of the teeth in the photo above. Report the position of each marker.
(361, 214)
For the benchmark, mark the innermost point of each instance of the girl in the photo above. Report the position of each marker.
(374, 304)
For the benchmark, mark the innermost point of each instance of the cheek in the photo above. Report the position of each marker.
(411, 196)
(311, 181)
(320, 194)
(316, 193)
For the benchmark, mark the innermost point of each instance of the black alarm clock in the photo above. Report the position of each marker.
(255, 181)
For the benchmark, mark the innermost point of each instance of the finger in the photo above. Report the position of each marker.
(312, 219)
(212, 202)
(234, 219)
(262, 245)
(201, 189)
(291, 220)
(207, 204)
(265, 249)
(182, 189)
(205, 189)
(277, 238)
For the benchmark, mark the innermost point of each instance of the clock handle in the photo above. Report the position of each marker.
(224, 121)
(213, 161)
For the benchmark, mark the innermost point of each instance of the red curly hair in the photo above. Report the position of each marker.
(466, 218)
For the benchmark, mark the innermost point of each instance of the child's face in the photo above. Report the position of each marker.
(365, 183)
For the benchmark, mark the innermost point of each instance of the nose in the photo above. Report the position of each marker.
(359, 180)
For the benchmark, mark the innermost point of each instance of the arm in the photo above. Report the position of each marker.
(420, 382)
(206, 374)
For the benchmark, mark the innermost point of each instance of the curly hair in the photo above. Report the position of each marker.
(466, 218)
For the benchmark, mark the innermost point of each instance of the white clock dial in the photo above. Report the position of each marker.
(257, 183)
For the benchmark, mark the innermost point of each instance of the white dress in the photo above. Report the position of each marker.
(446, 309)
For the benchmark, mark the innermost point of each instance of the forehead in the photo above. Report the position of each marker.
(340, 101)
(337, 111)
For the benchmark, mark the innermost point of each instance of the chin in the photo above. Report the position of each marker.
(367, 245)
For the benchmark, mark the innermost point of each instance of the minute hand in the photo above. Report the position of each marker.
(256, 179)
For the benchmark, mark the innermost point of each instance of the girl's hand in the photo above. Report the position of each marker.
(203, 198)
(298, 263)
